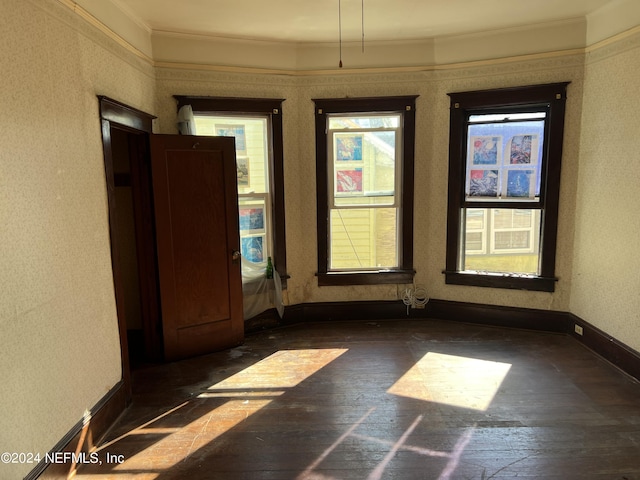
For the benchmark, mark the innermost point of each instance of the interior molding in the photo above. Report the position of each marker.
(435, 66)
(84, 436)
(498, 315)
(370, 70)
(490, 315)
(124, 115)
(96, 33)
(292, 73)
(99, 25)
(606, 49)
(610, 349)
(614, 39)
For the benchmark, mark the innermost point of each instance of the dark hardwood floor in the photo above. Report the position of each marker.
(406, 399)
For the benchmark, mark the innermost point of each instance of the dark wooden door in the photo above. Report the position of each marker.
(196, 209)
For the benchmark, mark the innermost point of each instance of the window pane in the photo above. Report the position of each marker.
(254, 221)
(252, 160)
(475, 219)
(363, 121)
(513, 238)
(504, 160)
(501, 117)
(363, 238)
(364, 166)
(252, 148)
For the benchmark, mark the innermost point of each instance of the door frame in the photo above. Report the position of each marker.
(138, 125)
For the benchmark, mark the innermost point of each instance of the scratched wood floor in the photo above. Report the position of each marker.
(407, 399)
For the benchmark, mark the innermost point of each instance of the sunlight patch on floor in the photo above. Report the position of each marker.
(243, 393)
(283, 369)
(189, 438)
(452, 380)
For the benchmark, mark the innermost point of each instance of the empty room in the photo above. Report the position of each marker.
(346, 239)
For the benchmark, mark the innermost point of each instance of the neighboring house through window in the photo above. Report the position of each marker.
(504, 181)
(364, 162)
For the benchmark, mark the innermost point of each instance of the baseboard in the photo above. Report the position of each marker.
(85, 434)
(609, 348)
(495, 315)
(263, 321)
(499, 316)
(341, 311)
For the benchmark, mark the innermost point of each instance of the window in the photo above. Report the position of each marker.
(504, 181)
(364, 174)
(256, 125)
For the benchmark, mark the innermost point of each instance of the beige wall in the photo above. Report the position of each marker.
(432, 146)
(56, 286)
(60, 349)
(606, 277)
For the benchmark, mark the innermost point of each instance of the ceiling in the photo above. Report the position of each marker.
(318, 21)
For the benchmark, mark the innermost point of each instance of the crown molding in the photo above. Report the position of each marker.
(211, 67)
(622, 36)
(99, 25)
(372, 70)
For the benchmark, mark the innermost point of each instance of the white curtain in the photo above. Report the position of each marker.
(186, 121)
(259, 292)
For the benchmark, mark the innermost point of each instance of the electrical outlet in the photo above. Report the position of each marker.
(578, 329)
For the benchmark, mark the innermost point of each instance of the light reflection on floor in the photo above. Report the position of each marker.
(452, 380)
(244, 391)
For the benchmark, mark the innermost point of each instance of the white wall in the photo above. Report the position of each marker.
(60, 350)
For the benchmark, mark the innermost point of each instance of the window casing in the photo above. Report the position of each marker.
(504, 181)
(256, 125)
(364, 174)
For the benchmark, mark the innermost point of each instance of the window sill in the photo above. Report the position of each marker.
(498, 280)
(374, 277)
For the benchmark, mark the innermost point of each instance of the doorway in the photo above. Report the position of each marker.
(125, 133)
(173, 216)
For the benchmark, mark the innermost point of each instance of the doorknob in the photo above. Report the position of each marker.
(235, 255)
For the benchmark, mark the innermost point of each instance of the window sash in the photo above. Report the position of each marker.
(350, 172)
(403, 108)
(464, 106)
(362, 200)
(255, 214)
(497, 168)
(371, 254)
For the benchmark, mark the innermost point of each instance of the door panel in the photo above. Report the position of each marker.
(196, 207)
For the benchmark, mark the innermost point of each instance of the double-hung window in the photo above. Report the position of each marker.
(256, 125)
(364, 159)
(504, 181)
